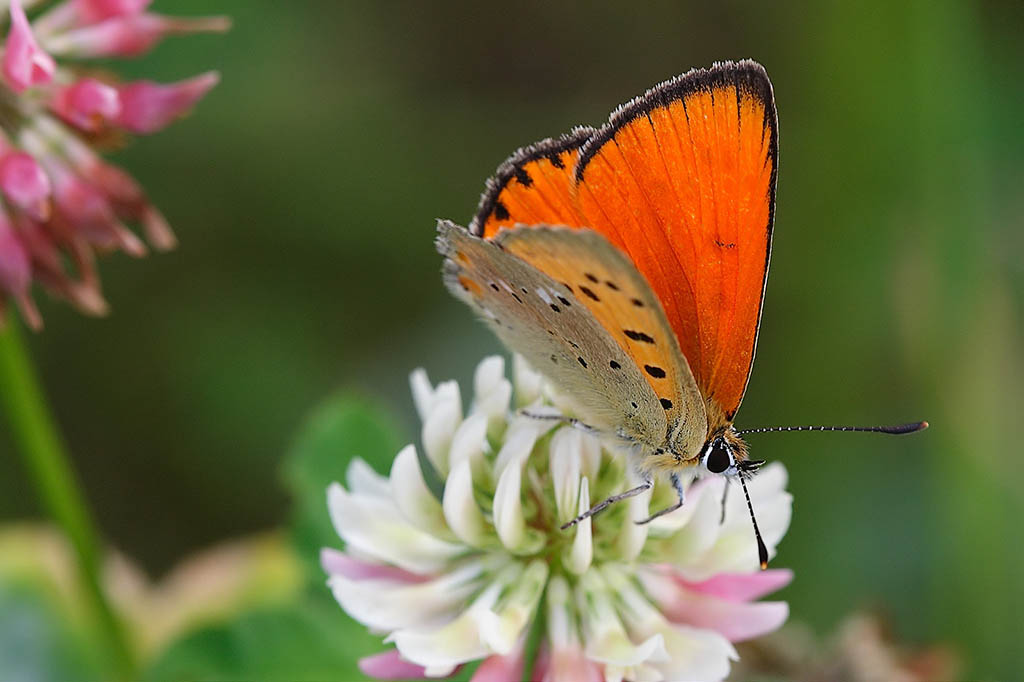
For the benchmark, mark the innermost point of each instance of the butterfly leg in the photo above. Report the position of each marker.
(725, 496)
(571, 421)
(678, 485)
(601, 506)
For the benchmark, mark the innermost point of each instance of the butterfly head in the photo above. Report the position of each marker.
(725, 453)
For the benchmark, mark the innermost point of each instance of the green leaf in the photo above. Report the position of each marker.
(303, 641)
(35, 643)
(343, 428)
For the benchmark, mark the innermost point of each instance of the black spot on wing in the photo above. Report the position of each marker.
(500, 212)
(494, 286)
(592, 278)
(612, 285)
(666, 403)
(638, 336)
(614, 365)
(523, 177)
(516, 296)
(556, 160)
(582, 362)
(589, 293)
(656, 372)
(555, 308)
(637, 302)
(564, 301)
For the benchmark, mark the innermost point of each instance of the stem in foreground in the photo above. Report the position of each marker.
(35, 434)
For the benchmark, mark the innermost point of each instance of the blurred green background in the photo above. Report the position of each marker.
(304, 191)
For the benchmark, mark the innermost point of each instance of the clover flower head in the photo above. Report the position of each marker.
(459, 574)
(61, 203)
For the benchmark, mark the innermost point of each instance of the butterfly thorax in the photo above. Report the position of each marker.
(684, 450)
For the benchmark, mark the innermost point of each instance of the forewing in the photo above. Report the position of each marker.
(602, 279)
(532, 186)
(683, 179)
(539, 318)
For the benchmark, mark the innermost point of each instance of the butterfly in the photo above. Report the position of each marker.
(628, 265)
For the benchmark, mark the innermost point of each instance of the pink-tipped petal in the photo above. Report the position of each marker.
(566, 664)
(146, 107)
(91, 11)
(741, 586)
(158, 231)
(338, 563)
(736, 621)
(16, 273)
(391, 666)
(15, 267)
(24, 63)
(87, 104)
(86, 212)
(25, 184)
(501, 668)
(129, 35)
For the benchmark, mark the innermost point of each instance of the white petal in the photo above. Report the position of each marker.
(564, 464)
(458, 641)
(689, 544)
(492, 393)
(521, 436)
(527, 381)
(388, 605)
(692, 653)
(508, 507)
(502, 627)
(374, 528)
(509, 521)
(469, 441)
(363, 480)
(561, 624)
(439, 428)
(633, 536)
(734, 549)
(422, 392)
(488, 375)
(705, 487)
(412, 496)
(582, 552)
(590, 447)
(603, 632)
(461, 511)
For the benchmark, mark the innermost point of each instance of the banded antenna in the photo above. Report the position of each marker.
(897, 430)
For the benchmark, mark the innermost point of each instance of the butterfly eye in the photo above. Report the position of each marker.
(718, 458)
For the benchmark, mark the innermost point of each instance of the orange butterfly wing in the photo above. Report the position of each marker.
(683, 180)
(532, 187)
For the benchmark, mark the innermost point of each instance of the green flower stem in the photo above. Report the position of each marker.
(35, 434)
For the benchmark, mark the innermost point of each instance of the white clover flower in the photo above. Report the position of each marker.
(462, 575)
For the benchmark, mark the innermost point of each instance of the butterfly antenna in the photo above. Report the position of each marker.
(913, 427)
(762, 550)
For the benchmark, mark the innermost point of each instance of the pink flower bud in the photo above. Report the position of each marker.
(129, 35)
(15, 269)
(25, 184)
(16, 272)
(87, 104)
(88, 213)
(146, 107)
(24, 63)
(91, 11)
